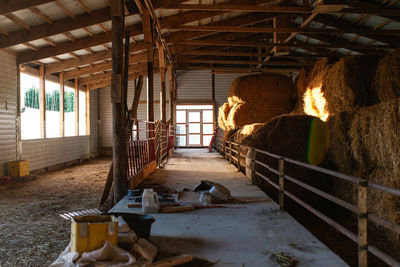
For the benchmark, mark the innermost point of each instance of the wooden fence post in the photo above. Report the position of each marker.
(224, 149)
(281, 184)
(362, 223)
(238, 157)
(230, 152)
(253, 165)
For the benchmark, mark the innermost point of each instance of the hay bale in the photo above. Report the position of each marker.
(340, 152)
(387, 79)
(255, 99)
(299, 137)
(348, 83)
(301, 84)
(244, 132)
(223, 113)
(383, 204)
(256, 89)
(375, 135)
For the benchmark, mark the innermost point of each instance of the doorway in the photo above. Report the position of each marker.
(194, 125)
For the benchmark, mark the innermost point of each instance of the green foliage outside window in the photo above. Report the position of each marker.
(52, 100)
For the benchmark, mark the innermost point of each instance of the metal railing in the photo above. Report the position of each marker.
(232, 152)
(140, 154)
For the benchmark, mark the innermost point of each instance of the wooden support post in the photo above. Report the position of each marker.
(42, 102)
(163, 93)
(87, 111)
(253, 165)
(125, 83)
(281, 184)
(76, 107)
(61, 104)
(148, 39)
(362, 223)
(119, 141)
(281, 21)
(18, 118)
(171, 95)
(213, 98)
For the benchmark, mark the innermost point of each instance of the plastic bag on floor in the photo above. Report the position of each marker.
(66, 258)
(109, 255)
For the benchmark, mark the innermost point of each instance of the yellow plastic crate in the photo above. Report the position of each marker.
(18, 168)
(89, 232)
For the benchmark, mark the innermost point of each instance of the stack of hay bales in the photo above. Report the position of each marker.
(387, 80)
(301, 84)
(375, 145)
(255, 99)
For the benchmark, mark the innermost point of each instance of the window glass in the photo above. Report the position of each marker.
(52, 109)
(208, 129)
(69, 111)
(194, 116)
(208, 116)
(181, 140)
(30, 114)
(194, 107)
(194, 128)
(181, 116)
(194, 139)
(180, 129)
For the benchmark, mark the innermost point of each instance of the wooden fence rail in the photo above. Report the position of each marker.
(232, 152)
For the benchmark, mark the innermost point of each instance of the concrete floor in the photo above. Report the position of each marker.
(230, 237)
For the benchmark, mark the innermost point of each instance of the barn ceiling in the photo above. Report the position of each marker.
(74, 36)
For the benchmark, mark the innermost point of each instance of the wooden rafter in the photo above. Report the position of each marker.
(57, 27)
(63, 8)
(49, 41)
(7, 6)
(84, 6)
(43, 16)
(17, 20)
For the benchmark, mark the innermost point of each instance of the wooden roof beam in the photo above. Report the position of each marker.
(285, 30)
(7, 6)
(57, 27)
(87, 59)
(17, 20)
(39, 13)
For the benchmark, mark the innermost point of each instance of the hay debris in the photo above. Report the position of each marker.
(348, 83)
(245, 131)
(387, 79)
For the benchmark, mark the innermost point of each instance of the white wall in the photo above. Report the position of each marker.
(40, 152)
(8, 109)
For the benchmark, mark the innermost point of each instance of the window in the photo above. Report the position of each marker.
(69, 111)
(30, 114)
(52, 109)
(82, 113)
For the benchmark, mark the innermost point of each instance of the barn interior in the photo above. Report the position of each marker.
(289, 107)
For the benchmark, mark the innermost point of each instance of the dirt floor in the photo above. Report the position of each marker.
(31, 231)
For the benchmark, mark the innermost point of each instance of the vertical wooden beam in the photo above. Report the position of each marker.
(125, 84)
(280, 21)
(42, 102)
(18, 118)
(281, 184)
(148, 39)
(363, 223)
(171, 94)
(119, 145)
(87, 111)
(61, 104)
(163, 93)
(213, 97)
(76, 107)
(136, 97)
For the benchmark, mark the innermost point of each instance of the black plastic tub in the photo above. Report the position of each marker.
(139, 223)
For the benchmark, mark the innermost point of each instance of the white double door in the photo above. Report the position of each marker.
(194, 127)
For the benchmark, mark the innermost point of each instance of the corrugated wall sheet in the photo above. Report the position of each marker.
(194, 84)
(106, 108)
(8, 109)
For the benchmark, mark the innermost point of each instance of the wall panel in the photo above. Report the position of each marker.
(8, 109)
